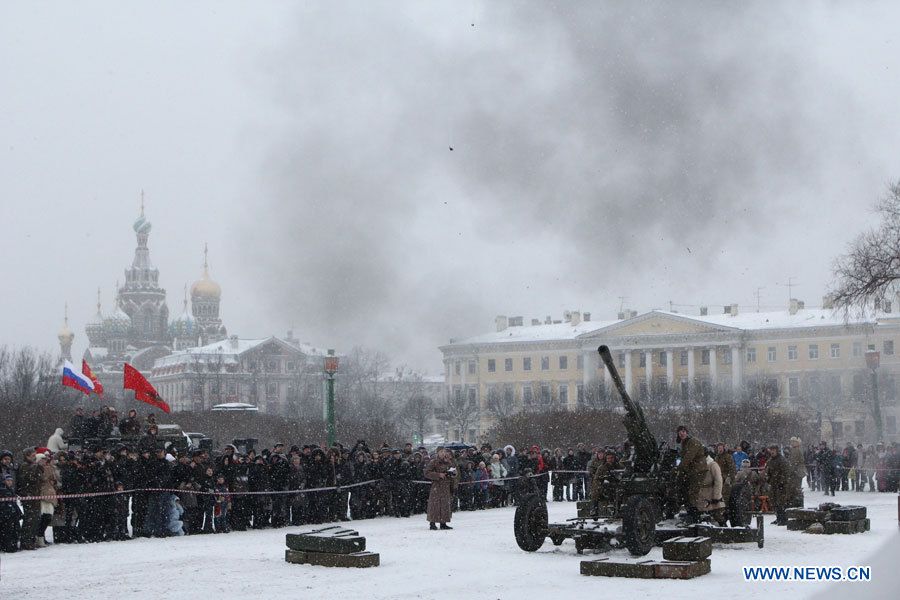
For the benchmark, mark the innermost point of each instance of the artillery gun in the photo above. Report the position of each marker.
(636, 497)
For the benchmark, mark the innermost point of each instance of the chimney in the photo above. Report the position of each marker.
(587, 316)
(515, 321)
(632, 314)
(502, 322)
(794, 307)
(620, 316)
(828, 301)
(233, 340)
(548, 320)
(567, 316)
(535, 321)
(727, 310)
(731, 309)
(704, 311)
(575, 318)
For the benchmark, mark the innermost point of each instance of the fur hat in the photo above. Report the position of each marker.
(795, 441)
(40, 456)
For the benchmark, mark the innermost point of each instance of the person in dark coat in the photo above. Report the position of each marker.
(443, 477)
(361, 499)
(131, 425)
(77, 424)
(28, 483)
(318, 475)
(10, 513)
(827, 473)
(259, 481)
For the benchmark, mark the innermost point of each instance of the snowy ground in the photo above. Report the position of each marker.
(478, 559)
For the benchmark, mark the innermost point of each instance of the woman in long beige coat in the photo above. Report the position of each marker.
(442, 474)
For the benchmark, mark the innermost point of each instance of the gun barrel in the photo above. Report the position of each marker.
(606, 357)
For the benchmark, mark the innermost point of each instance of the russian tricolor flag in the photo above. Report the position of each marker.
(74, 379)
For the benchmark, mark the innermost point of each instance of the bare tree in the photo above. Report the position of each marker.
(501, 402)
(459, 412)
(871, 268)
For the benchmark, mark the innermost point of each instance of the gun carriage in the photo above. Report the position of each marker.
(637, 498)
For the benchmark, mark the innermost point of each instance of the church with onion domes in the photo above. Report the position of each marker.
(137, 329)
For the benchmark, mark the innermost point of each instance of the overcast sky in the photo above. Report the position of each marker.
(648, 150)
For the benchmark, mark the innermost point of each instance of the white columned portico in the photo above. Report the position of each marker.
(713, 366)
(589, 370)
(670, 368)
(692, 367)
(648, 369)
(628, 373)
(737, 368)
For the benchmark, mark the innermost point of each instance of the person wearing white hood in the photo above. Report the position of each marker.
(56, 442)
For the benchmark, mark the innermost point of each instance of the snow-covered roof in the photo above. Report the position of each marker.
(807, 317)
(536, 333)
(749, 321)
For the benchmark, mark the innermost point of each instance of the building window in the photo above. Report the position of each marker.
(793, 387)
(663, 359)
(507, 364)
(771, 355)
(457, 367)
(835, 351)
(857, 349)
(859, 428)
(579, 361)
(579, 393)
(888, 347)
(291, 366)
(859, 385)
(643, 359)
(526, 363)
(508, 396)
(704, 357)
(837, 429)
(272, 366)
(751, 355)
(563, 363)
(545, 363)
(621, 360)
(545, 393)
(792, 352)
(726, 358)
(457, 394)
(813, 351)
(471, 436)
(527, 394)
(685, 388)
(232, 389)
(492, 365)
(684, 358)
(272, 389)
(473, 399)
(563, 393)
(472, 364)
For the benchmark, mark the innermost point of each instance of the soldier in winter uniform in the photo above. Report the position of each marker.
(779, 478)
(443, 477)
(691, 471)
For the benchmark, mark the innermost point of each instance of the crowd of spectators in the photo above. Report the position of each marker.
(148, 489)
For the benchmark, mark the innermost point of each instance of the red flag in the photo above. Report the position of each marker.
(143, 391)
(86, 371)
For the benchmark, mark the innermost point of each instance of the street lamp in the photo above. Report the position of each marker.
(331, 367)
(873, 360)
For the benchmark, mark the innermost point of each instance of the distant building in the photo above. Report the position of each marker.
(138, 330)
(811, 360)
(279, 376)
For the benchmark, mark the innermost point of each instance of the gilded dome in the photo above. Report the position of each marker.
(65, 334)
(205, 287)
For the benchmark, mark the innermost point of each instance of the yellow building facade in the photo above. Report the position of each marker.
(813, 360)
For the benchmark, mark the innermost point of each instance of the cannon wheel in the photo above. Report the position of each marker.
(739, 505)
(531, 523)
(639, 525)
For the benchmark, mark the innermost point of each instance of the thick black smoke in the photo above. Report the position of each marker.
(437, 161)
